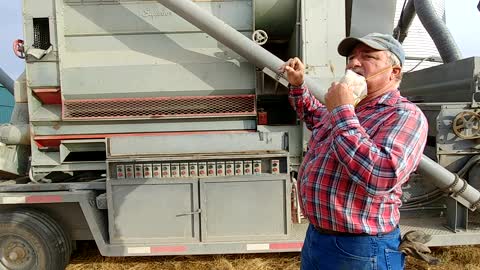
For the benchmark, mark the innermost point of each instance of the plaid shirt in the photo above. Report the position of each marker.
(357, 159)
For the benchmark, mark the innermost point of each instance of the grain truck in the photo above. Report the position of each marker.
(163, 127)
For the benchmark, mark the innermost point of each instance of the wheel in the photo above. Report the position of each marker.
(466, 125)
(32, 240)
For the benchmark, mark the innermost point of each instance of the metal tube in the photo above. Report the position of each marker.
(406, 19)
(6, 81)
(233, 39)
(436, 28)
(15, 134)
(445, 180)
(225, 34)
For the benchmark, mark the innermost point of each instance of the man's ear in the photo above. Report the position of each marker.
(396, 71)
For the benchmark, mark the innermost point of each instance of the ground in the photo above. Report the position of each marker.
(87, 257)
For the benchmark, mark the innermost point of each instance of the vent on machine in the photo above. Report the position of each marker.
(41, 33)
(164, 107)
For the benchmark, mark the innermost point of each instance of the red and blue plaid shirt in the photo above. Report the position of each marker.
(357, 160)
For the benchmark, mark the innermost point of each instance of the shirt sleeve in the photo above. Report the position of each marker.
(308, 108)
(385, 160)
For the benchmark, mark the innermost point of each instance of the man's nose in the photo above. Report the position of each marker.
(353, 62)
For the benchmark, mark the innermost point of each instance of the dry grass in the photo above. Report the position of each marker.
(87, 257)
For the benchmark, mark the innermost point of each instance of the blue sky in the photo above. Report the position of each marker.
(463, 19)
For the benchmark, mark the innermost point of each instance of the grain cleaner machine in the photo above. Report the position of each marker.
(163, 127)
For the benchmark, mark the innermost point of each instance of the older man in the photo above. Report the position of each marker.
(358, 157)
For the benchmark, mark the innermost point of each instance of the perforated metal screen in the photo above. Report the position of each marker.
(165, 107)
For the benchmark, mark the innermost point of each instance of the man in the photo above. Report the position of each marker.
(358, 157)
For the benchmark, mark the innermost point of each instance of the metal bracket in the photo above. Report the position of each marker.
(276, 76)
(457, 216)
(190, 213)
(476, 94)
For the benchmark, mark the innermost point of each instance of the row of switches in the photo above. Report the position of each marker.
(194, 169)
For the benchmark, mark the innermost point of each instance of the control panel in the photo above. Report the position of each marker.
(146, 169)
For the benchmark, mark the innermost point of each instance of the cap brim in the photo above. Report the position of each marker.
(347, 45)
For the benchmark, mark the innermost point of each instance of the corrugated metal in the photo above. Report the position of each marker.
(6, 105)
(418, 42)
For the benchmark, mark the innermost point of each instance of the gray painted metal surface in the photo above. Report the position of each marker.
(15, 134)
(268, 14)
(12, 159)
(161, 209)
(197, 144)
(225, 34)
(322, 28)
(372, 16)
(245, 208)
(453, 82)
(103, 57)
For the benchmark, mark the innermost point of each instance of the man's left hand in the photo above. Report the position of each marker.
(338, 94)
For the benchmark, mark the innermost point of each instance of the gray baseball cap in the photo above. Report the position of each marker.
(377, 41)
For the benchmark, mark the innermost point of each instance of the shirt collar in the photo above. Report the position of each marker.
(388, 99)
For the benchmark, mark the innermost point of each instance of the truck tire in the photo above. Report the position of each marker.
(32, 240)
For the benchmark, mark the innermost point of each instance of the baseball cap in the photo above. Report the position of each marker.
(377, 41)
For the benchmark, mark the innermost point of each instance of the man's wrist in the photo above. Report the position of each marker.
(290, 85)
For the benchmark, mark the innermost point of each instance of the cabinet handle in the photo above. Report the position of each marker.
(189, 213)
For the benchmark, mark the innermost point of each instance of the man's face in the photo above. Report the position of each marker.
(368, 62)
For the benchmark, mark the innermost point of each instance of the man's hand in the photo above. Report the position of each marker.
(295, 71)
(338, 94)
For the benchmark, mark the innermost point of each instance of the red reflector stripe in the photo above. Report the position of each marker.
(43, 199)
(276, 246)
(166, 249)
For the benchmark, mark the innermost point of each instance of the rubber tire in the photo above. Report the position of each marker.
(50, 243)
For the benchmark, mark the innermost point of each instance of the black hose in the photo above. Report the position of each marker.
(406, 19)
(438, 31)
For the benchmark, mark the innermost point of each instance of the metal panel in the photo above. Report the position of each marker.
(163, 211)
(141, 49)
(294, 141)
(323, 24)
(42, 74)
(11, 158)
(81, 128)
(215, 143)
(148, 16)
(372, 16)
(165, 108)
(267, 14)
(245, 208)
(452, 82)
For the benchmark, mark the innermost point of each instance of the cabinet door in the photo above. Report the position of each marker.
(245, 207)
(153, 211)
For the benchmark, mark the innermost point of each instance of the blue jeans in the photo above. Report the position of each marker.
(330, 252)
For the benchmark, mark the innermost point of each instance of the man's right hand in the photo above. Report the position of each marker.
(295, 71)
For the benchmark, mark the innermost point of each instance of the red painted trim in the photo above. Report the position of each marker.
(54, 140)
(44, 199)
(49, 95)
(278, 246)
(166, 249)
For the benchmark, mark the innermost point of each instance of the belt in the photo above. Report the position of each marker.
(335, 233)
